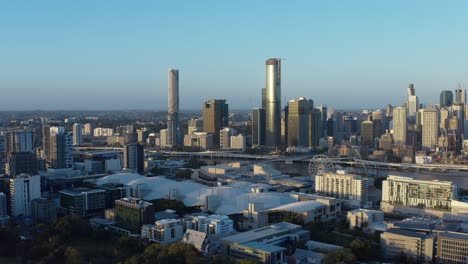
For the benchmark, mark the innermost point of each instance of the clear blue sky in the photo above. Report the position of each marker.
(115, 54)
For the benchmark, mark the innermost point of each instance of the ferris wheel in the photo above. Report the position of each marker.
(320, 164)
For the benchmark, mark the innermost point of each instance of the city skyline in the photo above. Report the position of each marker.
(90, 55)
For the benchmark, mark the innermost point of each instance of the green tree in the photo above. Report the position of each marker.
(72, 256)
(362, 249)
(127, 246)
(344, 256)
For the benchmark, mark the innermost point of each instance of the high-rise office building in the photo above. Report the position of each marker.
(367, 133)
(195, 125)
(446, 98)
(173, 108)
(430, 128)
(413, 102)
(299, 111)
(399, 126)
(315, 127)
(77, 134)
(134, 158)
(258, 126)
(273, 103)
(22, 163)
(24, 189)
(4, 218)
(263, 98)
(324, 115)
(460, 96)
(215, 117)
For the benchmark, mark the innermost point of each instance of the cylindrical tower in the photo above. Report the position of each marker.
(273, 103)
(173, 107)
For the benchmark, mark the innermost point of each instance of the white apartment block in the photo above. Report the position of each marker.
(238, 142)
(212, 224)
(201, 140)
(164, 232)
(103, 132)
(23, 190)
(341, 185)
(225, 137)
(406, 191)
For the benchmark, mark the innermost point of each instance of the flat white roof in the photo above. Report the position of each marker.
(299, 207)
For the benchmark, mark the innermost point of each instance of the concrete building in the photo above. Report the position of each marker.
(298, 121)
(82, 201)
(225, 137)
(399, 126)
(195, 125)
(360, 218)
(103, 132)
(239, 142)
(88, 129)
(173, 108)
(418, 246)
(408, 192)
(258, 126)
(132, 213)
(264, 245)
(22, 163)
(315, 128)
(430, 128)
(77, 134)
(341, 185)
(18, 141)
(200, 140)
(24, 189)
(413, 102)
(273, 103)
(460, 96)
(215, 117)
(44, 210)
(164, 232)
(134, 158)
(452, 248)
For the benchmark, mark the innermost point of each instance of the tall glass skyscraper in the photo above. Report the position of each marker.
(173, 108)
(273, 103)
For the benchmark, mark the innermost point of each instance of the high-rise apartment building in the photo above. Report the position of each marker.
(273, 103)
(215, 117)
(4, 218)
(134, 158)
(61, 150)
(399, 126)
(299, 115)
(430, 128)
(343, 186)
(446, 98)
(18, 141)
(225, 137)
(77, 134)
(22, 163)
(173, 108)
(88, 129)
(258, 126)
(406, 191)
(24, 189)
(315, 127)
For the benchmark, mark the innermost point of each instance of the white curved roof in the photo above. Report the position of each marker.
(222, 200)
(299, 207)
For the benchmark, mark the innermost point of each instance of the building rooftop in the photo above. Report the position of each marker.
(454, 235)
(404, 232)
(262, 233)
(299, 207)
(263, 246)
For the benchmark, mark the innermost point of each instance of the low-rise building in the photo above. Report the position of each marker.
(452, 248)
(419, 246)
(164, 232)
(132, 213)
(44, 210)
(212, 224)
(362, 218)
(83, 201)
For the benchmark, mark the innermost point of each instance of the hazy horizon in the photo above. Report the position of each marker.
(105, 55)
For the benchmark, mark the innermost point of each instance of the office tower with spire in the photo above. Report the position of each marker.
(215, 117)
(173, 108)
(273, 103)
(399, 126)
(413, 102)
(446, 98)
(77, 134)
(430, 128)
(460, 95)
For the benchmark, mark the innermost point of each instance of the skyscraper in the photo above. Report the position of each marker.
(413, 102)
(430, 128)
(367, 133)
(60, 149)
(173, 108)
(399, 126)
(460, 96)
(446, 98)
(18, 141)
(273, 103)
(258, 126)
(77, 134)
(215, 117)
(133, 158)
(299, 114)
